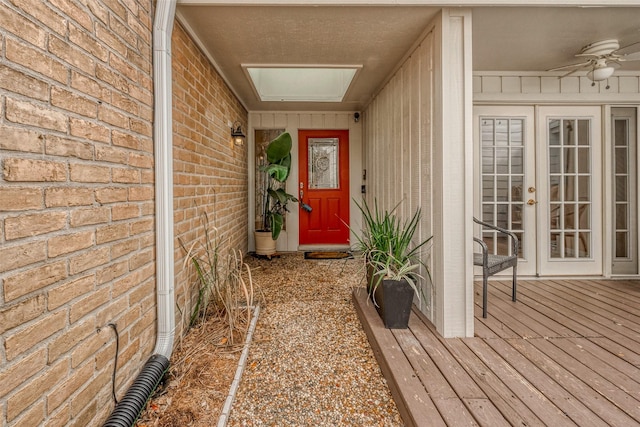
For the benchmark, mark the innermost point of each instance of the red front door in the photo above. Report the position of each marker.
(324, 186)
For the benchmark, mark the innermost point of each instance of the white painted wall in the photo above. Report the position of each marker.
(418, 150)
(292, 122)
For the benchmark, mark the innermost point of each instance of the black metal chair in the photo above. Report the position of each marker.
(492, 264)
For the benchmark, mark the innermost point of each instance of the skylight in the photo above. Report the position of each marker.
(291, 83)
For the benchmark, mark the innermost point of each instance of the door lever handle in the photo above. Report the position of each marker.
(531, 202)
(303, 205)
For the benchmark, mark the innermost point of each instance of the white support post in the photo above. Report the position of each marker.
(453, 176)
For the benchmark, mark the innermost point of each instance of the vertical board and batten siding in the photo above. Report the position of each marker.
(418, 153)
(292, 122)
(398, 145)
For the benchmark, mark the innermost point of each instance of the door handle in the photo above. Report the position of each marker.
(531, 202)
(303, 205)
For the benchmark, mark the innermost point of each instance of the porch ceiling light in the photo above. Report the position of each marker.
(599, 74)
(237, 135)
(296, 83)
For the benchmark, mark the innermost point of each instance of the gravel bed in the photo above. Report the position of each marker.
(310, 363)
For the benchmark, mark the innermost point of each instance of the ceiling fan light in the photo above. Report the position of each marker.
(599, 74)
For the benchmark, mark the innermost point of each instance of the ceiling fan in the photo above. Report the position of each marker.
(602, 58)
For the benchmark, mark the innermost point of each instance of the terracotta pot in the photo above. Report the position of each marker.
(265, 245)
(394, 299)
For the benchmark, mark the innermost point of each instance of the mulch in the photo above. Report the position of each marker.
(309, 364)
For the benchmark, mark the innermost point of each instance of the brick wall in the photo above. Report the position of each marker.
(76, 205)
(210, 174)
(77, 198)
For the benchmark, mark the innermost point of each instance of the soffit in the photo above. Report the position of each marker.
(527, 39)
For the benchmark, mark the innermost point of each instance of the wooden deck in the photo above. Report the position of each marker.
(567, 353)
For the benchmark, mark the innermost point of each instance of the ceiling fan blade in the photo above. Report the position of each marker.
(626, 47)
(576, 66)
(569, 73)
(635, 56)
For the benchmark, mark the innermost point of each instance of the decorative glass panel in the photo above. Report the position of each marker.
(324, 171)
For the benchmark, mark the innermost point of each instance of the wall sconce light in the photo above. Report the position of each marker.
(237, 135)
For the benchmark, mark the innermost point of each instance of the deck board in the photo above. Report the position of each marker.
(513, 410)
(567, 353)
(414, 403)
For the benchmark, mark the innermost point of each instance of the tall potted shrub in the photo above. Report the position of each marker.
(392, 260)
(274, 197)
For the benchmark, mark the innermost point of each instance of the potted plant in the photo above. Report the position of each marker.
(392, 262)
(274, 198)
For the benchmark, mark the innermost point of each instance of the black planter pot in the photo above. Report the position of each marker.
(393, 300)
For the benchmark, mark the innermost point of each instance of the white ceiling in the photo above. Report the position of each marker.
(377, 37)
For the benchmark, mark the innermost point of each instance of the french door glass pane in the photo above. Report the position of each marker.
(569, 182)
(502, 179)
(622, 232)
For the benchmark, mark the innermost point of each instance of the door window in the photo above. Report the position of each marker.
(502, 179)
(623, 124)
(569, 188)
(324, 171)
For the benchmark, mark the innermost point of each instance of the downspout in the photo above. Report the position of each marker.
(128, 409)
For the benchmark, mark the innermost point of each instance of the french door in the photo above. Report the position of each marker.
(539, 175)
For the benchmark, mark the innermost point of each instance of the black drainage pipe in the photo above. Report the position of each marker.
(128, 409)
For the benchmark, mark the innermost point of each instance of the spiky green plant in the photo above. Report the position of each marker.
(387, 244)
(384, 235)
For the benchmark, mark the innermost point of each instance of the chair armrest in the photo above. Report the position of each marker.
(514, 238)
(485, 250)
